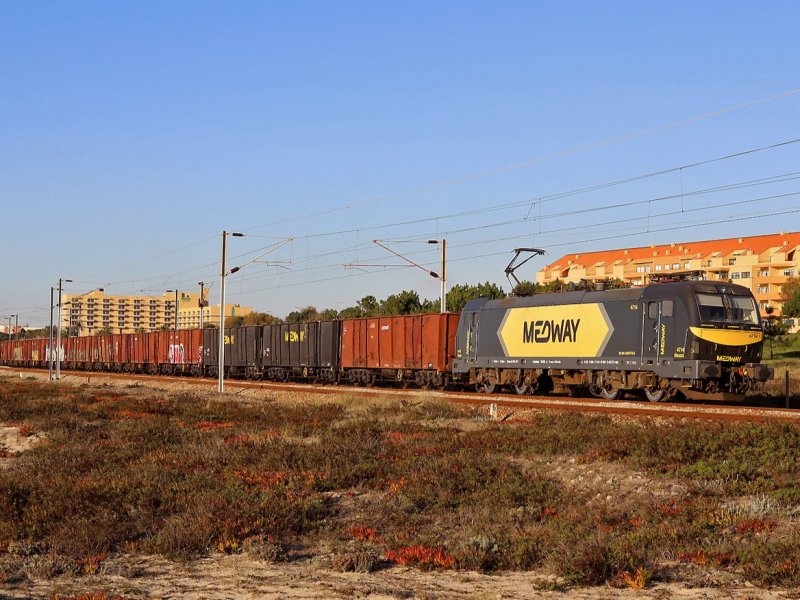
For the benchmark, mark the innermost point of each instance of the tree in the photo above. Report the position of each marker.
(234, 321)
(405, 303)
(368, 306)
(329, 314)
(33, 334)
(773, 327)
(525, 288)
(351, 312)
(460, 294)
(104, 330)
(790, 295)
(616, 283)
(260, 318)
(309, 313)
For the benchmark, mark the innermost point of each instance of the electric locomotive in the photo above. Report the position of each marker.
(702, 339)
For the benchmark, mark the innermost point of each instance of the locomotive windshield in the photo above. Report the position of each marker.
(727, 308)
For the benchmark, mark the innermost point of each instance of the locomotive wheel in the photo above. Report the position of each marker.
(595, 391)
(654, 394)
(521, 389)
(486, 387)
(609, 393)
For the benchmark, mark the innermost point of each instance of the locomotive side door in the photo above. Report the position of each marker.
(657, 330)
(471, 342)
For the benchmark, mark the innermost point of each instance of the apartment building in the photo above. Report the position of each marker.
(86, 314)
(762, 263)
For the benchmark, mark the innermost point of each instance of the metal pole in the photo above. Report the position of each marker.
(16, 325)
(202, 283)
(221, 354)
(787, 388)
(58, 334)
(50, 347)
(176, 310)
(444, 276)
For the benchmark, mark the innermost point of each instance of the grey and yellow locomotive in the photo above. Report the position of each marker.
(702, 339)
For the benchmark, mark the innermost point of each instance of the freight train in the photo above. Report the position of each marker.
(700, 339)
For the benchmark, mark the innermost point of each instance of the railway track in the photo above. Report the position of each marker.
(512, 403)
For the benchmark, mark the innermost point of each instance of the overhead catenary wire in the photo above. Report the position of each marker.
(675, 227)
(168, 278)
(547, 157)
(183, 276)
(741, 185)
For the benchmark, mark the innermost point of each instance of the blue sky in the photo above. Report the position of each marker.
(131, 134)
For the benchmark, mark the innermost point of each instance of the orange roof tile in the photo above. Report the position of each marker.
(725, 247)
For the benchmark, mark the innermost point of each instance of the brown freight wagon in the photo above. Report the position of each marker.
(403, 349)
(76, 353)
(36, 352)
(141, 348)
(179, 352)
(103, 352)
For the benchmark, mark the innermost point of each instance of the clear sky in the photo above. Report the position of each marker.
(132, 133)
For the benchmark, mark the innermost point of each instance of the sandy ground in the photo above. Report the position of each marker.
(238, 576)
(243, 576)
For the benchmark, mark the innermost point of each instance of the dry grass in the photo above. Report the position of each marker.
(375, 483)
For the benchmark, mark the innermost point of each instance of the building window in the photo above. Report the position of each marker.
(658, 267)
(763, 289)
(745, 274)
(763, 272)
(735, 275)
(640, 268)
(731, 261)
(788, 272)
(676, 265)
(686, 266)
(647, 269)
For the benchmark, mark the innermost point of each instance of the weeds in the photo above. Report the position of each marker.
(130, 471)
(421, 556)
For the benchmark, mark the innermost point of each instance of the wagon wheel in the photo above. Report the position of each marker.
(654, 394)
(521, 389)
(400, 380)
(370, 381)
(609, 393)
(486, 387)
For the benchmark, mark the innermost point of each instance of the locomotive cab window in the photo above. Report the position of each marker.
(712, 308)
(719, 308)
(666, 309)
(652, 310)
(744, 310)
